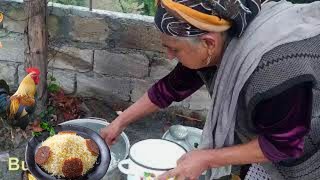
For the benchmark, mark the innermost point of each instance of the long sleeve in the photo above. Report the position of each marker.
(283, 121)
(180, 83)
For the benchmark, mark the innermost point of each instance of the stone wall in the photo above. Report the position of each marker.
(109, 55)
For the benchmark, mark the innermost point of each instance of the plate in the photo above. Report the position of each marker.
(97, 172)
(193, 138)
(119, 150)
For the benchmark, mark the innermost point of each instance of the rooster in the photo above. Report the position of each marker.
(15, 109)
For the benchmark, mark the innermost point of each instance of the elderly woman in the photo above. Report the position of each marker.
(261, 67)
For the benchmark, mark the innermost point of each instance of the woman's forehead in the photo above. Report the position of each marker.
(165, 37)
(170, 40)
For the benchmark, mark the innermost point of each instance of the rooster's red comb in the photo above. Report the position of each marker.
(33, 69)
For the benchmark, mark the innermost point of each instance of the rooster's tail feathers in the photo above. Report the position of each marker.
(3, 103)
(24, 100)
(16, 101)
(14, 106)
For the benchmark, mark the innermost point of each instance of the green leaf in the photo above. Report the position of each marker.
(36, 134)
(53, 87)
(52, 78)
(45, 125)
(42, 115)
(52, 131)
(50, 110)
(146, 174)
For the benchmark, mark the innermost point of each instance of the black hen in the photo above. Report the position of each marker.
(4, 98)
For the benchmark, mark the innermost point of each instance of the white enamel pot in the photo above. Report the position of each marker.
(150, 158)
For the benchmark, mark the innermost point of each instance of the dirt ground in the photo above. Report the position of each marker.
(152, 126)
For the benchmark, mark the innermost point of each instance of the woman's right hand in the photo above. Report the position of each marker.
(111, 132)
(139, 109)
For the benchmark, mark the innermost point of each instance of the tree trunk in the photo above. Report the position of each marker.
(37, 46)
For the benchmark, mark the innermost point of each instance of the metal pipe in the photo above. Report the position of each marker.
(90, 5)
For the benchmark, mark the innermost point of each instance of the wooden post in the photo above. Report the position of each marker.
(90, 5)
(36, 46)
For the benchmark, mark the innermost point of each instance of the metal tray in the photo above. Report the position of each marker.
(193, 138)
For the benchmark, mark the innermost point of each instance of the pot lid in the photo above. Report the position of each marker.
(156, 154)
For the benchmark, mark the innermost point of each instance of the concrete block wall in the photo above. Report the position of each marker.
(109, 55)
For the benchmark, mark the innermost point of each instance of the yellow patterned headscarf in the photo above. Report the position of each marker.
(195, 17)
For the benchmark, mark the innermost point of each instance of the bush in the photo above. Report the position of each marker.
(145, 7)
(71, 2)
(149, 7)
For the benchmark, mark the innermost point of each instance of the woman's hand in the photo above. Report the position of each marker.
(111, 133)
(139, 109)
(189, 166)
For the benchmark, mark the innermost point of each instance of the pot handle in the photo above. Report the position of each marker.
(125, 170)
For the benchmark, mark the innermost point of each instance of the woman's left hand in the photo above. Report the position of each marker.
(189, 166)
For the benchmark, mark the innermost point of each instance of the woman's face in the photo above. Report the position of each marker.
(193, 55)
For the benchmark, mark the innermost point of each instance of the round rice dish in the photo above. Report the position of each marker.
(67, 155)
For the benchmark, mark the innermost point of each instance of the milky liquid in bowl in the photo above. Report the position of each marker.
(114, 161)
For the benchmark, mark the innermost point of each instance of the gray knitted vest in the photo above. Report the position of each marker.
(279, 69)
